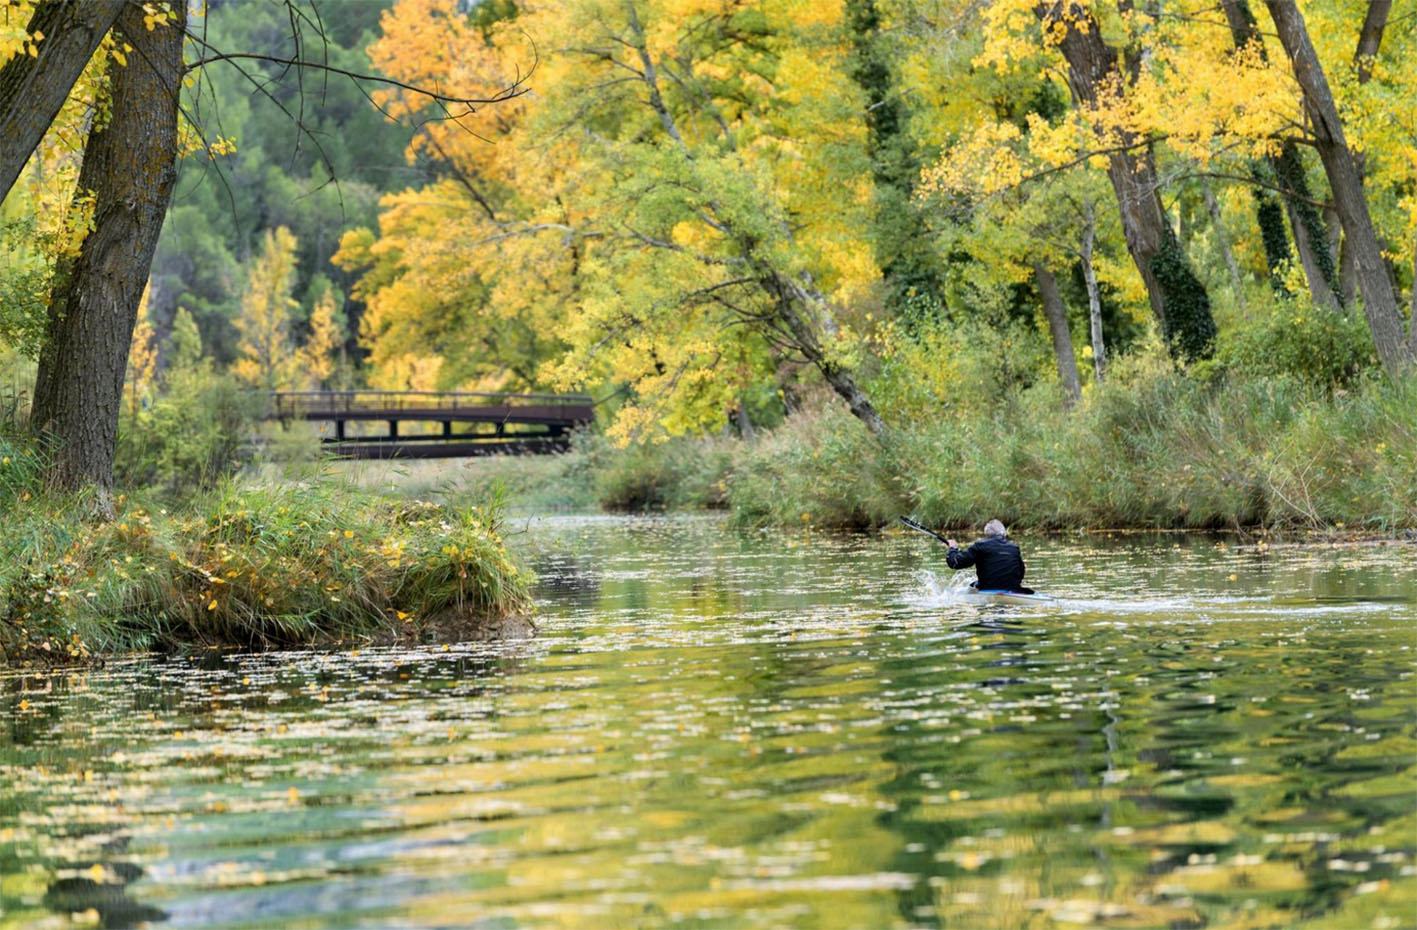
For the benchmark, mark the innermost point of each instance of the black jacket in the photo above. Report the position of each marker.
(998, 561)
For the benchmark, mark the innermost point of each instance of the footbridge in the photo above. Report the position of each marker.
(435, 424)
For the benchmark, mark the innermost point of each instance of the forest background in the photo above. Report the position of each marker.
(1069, 264)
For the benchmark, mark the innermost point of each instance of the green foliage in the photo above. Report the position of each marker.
(25, 277)
(1294, 338)
(317, 181)
(1270, 217)
(950, 367)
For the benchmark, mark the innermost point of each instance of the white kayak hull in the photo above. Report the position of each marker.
(1010, 598)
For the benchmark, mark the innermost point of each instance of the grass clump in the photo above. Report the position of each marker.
(677, 473)
(251, 567)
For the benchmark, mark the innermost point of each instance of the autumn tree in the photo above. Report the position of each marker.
(128, 169)
(319, 354)
(1396, 349)
(267, 357)
(697, 180)
(1286, 169)
(52, 52)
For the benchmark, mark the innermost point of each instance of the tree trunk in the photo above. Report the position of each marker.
(1094, 298)
(33, 89)
(1344, 179)
(1269, 215)
(904, 247)
(1222, 240)
(1370, 38)
(1310, 237)
(745, 422)
(804, 329)
(129, 166)
(1057, 316)
(1178, 299)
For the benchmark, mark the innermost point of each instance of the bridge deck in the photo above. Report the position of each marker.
(540, 421)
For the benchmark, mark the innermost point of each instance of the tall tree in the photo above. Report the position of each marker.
(63, 35)
(1287, 170)
(1097, 75)
(910, 264)
(128, 169)
(318, 355)
(690, 190)
(1396, 350)
(267, 359)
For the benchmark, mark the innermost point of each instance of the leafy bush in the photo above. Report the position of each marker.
(679, 472)
(190, 437)
(820, 468)
(1292, 338)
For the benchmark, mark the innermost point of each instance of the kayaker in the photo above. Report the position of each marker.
(997, 561)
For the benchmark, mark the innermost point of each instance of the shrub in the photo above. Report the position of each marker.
(192, 436)
(1292, 338)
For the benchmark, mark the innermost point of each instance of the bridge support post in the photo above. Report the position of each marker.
(447, 429)
(339, 430)
(393, 429)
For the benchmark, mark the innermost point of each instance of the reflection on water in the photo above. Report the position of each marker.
(719, 730)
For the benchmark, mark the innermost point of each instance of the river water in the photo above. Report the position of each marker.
(716, 729)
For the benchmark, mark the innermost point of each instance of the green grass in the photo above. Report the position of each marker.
(1154, 451)
(1150, 449)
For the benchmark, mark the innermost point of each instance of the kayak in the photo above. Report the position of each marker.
(1010, 598)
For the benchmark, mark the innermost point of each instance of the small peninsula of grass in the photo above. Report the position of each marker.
(292, 564)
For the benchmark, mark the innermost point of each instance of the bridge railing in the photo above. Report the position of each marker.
(298, 404)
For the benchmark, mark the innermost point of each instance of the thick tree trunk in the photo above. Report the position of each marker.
(1094, 298)
(1311, 239)
(129, 166)
(1057, 316)
(1344, 179)
(33, 89)
(1178, 299)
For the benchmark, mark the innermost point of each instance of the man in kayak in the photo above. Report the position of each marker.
(997, 560)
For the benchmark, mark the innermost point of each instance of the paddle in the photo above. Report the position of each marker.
(916, 526)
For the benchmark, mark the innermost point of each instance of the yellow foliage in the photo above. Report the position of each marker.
(267, 359)
(142, 357)
(321, 348)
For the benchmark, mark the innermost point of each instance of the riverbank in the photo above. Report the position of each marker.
(294, 563)
(1159, 451)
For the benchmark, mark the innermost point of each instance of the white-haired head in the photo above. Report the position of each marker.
(995, 528)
